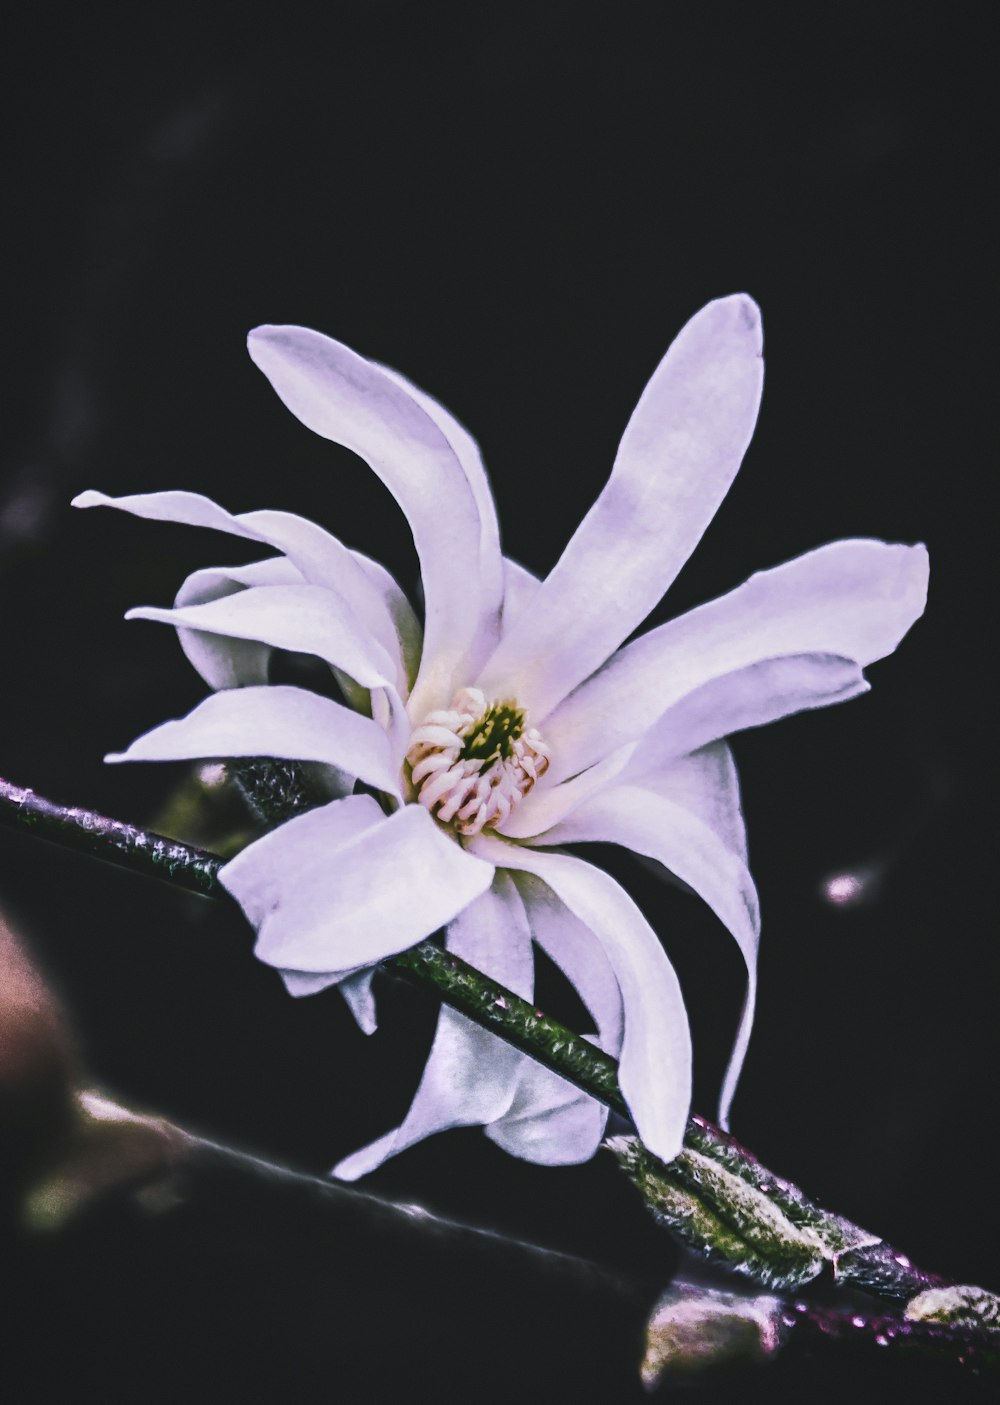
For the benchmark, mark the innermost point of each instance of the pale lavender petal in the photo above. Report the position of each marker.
(749, 697)
(545, 805)
(356, 988)
(468, 454)
(366, 590)
(679, 454)
(704, 783)
(305, 619)
(854, 599)
(357, 993)
(470, 1075)
(284, 722)
(655, 1067)
(221, 661)
(353, 402)
(520, 586)
(580, 956)
(549, 1121)
(344, 886)
(662, 829)
(183, 508)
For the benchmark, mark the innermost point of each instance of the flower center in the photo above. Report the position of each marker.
(473, 763)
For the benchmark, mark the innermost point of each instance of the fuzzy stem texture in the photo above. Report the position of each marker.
(715, 1197)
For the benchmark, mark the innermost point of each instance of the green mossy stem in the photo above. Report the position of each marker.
(856, 1257)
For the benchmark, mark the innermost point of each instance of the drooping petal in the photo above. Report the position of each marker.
(284, 722)
(467, 452)
(549, 1121)
(662, 829)
(225, 662)
(175, 505)
(704, 783)
(853, 599)
(580, 956)
(679, 454)
(357, 993)
(344, 886)
(470, 1074)
(353, 402)
(365, 590)
(302, 618)
(655, 1068)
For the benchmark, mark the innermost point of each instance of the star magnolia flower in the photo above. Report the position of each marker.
(514, 721)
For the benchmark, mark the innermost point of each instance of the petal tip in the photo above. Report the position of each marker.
(90, 497)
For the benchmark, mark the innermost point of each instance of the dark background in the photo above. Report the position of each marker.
(520, 212)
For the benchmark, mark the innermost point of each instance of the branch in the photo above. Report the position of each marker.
(716, 1196)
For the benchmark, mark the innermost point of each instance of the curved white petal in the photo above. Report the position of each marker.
(580, 955)
(519, 589)
(357, 993)
(353, 402)
(470, 1075)
(749, 697)
(303, 618)
(175, 505)
(467, 452)
(408, 629)
(655, 1068)
(704, 783)
(546, 805)
(549, 1120)
(284, 722)
(662, 829)
(679, 454)
(224, 662)
(344, 886)
(365, 589)
(855, 599)
(355, 988)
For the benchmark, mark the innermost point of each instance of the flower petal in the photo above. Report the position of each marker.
(520, 586)
(579, 955)
(655, 1068)
(545, 805)
(705, 784)
(549, 1120)
(176, 505)
(855, 599)
(470, 1074)
(225, 662)
(679, 454)
(365, 589)
(343, 886)
(659, 828)
(353, 402)
(749, 697)
(467, 452)
(279, 721)
(306, 619)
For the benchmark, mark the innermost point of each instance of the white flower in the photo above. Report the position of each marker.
(514, 721)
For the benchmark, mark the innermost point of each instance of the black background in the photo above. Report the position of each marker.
(520, 211)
